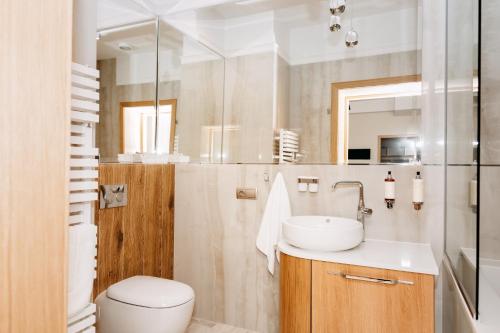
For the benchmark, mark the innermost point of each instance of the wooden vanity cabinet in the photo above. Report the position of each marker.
(353, 299)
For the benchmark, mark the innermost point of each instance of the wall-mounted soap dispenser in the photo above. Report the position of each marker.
(418, 191)
(390, 190)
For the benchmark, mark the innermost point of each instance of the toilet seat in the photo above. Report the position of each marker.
(150, 292)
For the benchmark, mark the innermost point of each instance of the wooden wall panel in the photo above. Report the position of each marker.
(35, 71)
(295, 294)
(136, 239)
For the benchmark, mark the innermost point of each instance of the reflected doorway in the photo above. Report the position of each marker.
(137, 129)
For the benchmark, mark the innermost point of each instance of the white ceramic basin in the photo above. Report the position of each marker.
(323, 233)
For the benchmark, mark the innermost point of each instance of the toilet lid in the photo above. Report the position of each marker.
(151, 292)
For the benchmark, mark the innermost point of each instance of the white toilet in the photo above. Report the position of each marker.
(145, 304)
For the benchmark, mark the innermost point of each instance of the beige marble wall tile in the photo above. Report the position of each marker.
(433, 78)
(460, 216)
(310, 94)
(490, 83)
(283, 94)
(215, 233)
(490, 220)
(249, 108)
(215, 246)
(200, 109)
(460, 113)
(456, 316)
(402, 223)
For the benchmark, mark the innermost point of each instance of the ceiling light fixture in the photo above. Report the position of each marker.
(351, 37)
(337, 7)
(124, 46)
(335, 23)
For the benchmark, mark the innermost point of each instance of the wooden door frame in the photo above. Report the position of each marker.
(123, 105)
(337, 86)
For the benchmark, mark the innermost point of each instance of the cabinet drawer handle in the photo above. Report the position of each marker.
(369, 279)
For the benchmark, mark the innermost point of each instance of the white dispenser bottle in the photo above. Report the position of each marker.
(390, 190)
(418, 191)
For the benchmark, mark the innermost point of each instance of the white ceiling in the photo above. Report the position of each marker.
(142, 40)
(311, 8)
(300, 27)
(116, 12)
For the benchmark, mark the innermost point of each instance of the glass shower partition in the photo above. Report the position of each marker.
(462, 146)
(489, 235)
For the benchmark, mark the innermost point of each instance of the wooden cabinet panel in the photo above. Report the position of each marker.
(295, 294)
(350, 305)
(35, 97)
(136, 239)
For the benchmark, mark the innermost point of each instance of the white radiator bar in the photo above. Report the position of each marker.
(84, 151)
(79, 105)
(287, 147)
(83, 173)
(82, 186)
(84, 70)
(83, 162)
(74, 219)
(84, 117)
(84, 82)
(84, 94)
(82, 197)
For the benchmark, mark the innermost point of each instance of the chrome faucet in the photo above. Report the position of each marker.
(362, 210)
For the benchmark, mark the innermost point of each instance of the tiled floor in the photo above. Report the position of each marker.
(205, 326)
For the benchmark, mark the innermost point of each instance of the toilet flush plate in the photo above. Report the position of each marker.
(112, 196)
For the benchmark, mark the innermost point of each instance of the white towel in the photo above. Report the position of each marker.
(277, 211)
(82, 241)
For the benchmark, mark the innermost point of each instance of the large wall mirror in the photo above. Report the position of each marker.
(288, 73)
(126, 58)
(266, 71)
(148, 64)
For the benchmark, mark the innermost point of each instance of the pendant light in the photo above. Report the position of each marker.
(335, 23)
(337, 7)
(351, 36)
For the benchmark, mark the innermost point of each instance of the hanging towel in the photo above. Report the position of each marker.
(276, 212)
(82, 243)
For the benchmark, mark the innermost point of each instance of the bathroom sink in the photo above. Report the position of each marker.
(323, 233)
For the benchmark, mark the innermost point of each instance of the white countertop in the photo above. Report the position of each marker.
(399, 256)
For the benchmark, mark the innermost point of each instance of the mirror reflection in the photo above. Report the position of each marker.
(383, 123)
(126, 59)
(272, 82)
(187, 126)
